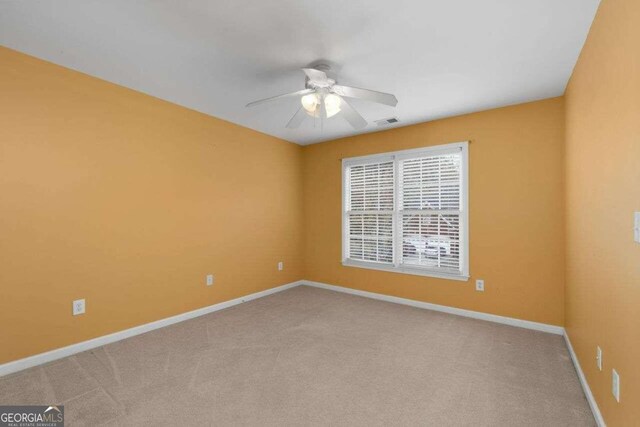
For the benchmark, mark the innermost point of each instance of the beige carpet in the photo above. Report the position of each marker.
(308, 356)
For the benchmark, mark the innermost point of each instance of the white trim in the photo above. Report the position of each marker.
(59, 353)
(527, 324)
(39, 359)
(389, 156)
(403, 269)
(585, 385)
(465, 209)
(542, 327)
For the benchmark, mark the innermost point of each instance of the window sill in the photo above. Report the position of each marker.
(404, 270)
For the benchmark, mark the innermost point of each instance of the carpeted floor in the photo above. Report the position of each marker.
(308, 356)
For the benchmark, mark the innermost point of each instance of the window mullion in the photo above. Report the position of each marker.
(397, 219)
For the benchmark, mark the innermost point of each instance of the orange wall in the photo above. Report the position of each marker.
(516, 159)
(129, 201)
(603, 191)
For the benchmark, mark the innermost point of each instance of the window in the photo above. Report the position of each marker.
(407, 211)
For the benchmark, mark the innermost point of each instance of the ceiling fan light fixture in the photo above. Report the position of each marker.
(322, 98)
(311, 102)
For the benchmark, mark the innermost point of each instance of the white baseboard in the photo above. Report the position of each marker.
(59, 353)
(543, 327)
(585, 385)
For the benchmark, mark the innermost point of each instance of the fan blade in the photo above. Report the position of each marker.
(297, 119)
(315, 75)
(351, 115)
(286, 95)
(369, 95)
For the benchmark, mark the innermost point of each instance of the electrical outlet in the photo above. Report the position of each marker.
(78, 307)
(636, 227)
(599, 358)
(480, 285)
(615, 385)
(280, 266)
(209, 279)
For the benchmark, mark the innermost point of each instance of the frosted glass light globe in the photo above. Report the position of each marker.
(310, 103)
(332, 104)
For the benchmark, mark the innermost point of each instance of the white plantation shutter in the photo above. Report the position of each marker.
(407, 211)
(430, 210)
(370, 202)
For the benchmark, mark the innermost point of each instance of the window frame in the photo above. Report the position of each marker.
(396, 157)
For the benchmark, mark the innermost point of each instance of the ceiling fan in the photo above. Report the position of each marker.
(323, 98)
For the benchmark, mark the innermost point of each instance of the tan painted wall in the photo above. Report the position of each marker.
(129, 201)
(516, 161)
(603, 191)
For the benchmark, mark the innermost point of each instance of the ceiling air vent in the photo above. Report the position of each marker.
(389, 121)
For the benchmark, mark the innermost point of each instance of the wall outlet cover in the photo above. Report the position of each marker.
(615, 385)
(599, 358)
(480, 285)
(280, 266)
(79, 307)
(210, 279)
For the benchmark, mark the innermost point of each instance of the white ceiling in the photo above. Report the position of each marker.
(440, 58)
